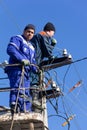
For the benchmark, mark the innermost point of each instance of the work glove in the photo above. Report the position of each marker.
(53, 42)
(25, 62)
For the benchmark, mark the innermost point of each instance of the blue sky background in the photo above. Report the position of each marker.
(70, 19)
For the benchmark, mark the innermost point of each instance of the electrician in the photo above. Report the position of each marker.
(44, 43)
(21, 51)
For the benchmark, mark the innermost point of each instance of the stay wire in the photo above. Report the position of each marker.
(76, 103)
(69, 109)
(65, 76)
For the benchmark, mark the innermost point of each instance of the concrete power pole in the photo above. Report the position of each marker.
(36, 120)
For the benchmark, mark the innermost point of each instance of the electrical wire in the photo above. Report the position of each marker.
(63, 118)
(65, 77)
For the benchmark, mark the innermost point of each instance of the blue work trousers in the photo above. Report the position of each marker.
(19, 81)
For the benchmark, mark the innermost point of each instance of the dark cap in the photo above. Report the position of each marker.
(29, 26)
(49, 26)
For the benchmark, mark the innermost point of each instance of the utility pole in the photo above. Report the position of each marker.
(34, 120)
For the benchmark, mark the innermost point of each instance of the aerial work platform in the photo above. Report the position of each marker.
(23, 121)
(26, 121)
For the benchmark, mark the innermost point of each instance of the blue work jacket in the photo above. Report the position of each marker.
(19, 49)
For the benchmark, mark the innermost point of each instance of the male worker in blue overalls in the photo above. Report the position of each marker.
(22, 52)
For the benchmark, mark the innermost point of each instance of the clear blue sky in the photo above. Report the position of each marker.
(70, 19)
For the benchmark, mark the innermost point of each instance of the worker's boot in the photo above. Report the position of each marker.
(35, 101)
(12, 106)
(13, 109)
(18, 108)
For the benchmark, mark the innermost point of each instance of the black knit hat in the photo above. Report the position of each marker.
(49, 26)
(30, 26)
